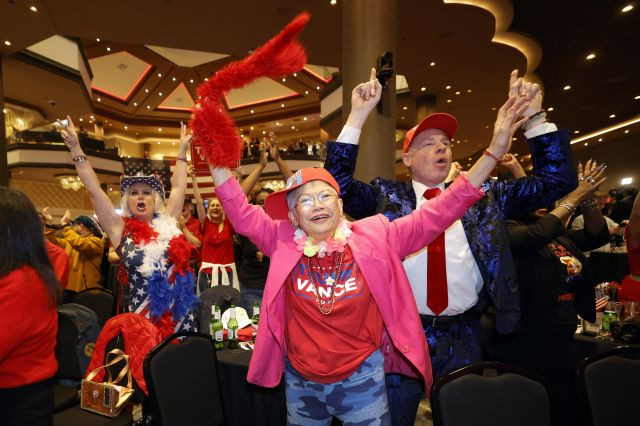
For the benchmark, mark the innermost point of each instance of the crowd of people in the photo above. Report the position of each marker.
(436, 273)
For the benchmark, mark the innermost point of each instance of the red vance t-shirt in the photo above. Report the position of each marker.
(329, 348)
(217, 247)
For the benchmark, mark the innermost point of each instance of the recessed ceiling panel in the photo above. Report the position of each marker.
(260, 91)
(321, 72)
(118, 74)
(186, 58)
(179, 99)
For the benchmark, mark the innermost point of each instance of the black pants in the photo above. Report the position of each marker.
(29, 405)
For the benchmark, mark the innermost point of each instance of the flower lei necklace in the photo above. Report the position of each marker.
(311, 247)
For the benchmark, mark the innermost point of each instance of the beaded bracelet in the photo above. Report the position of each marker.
(79, 158)
(569, 206)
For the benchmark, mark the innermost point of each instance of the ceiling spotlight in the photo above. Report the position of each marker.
(191, 81)
(576, 131)
(159, 129)
(333, 2)
(173, 78)
(159, 93)
(432, 64)
(159, 75)
(304, 118)
(251, 128)
(92, 117)
(284, 80)
(626, 131)
(206, 79)
(108, 49)
(264, 132)
(148, 107)
(402, 118)
(612, 116)
(252, 111)
(126, 127)
(404, 108)
(293, 127)
(590, 56)
(317, 87)
(7, 43)
(567, 87)
(586, 144)
(33, 9)
(627, 8)
(457, 93)
(550, 109)
(146, 90)
(97, 40)
(599, 139)
(135, 104)
(422, 89)
(468, 90)
(281, 105)
(448, 101)
(448, 87)
(81, 119)
(306, 92)
(637, 97)
(99, 100)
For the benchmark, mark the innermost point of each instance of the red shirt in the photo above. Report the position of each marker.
(630, 288)
(193, 225)
(60, 262)
(217, 247)
(28, 328)
(329, 348)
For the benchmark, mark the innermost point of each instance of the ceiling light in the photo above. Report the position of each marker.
(432, 64)
(251, 128)
(404, 108)
(626, 131)
(92, 117)
(284, 79)
(264, 132)
(99, 100)
(81, 119)
(206, 79)
(159, 93)
(586, 144)
(304, 118)
(306, 92)
(599, 139)
(333, 2)
(627, 8)
(281, 105)
(126, 127)
(576, 131)
(457, 93)
(148, 107)
(159, 75)
(295, 74)
(637, 97)
(108, 49)
(251, 111)
(590, 56)
(493, 108)
(7, 43)
(626, 181)
(448, 87)
(317, 87)
(191, 81)
(33, 9)
(146, 90)
(567, 87)
(173, 143)
(135, 104)
(97, 40)
(550, 109)
(173, 78)
(293, 127)
(422, 89)
(277, 123)
(402, 118)
(448, 101)
(159, 129)
(468, 90)
(612, 116)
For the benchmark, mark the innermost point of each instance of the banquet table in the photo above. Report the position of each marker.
(609, 265)
(246, 404)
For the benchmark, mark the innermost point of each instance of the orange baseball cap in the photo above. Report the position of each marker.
(439, 120)
(276, 204)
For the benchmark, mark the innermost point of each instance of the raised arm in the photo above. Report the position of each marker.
(251, 180)
(111, 222)
(179, 178)
(196, 195)
(360, 199)
(247, 219)
(272, 146)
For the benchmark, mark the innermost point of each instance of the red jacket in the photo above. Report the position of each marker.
(28, 329)
(140, 336)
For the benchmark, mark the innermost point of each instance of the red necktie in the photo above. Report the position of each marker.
(437, 297)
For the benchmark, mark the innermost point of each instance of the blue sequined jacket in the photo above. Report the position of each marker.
(553, 177)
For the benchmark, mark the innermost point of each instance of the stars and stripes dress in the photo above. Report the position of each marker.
(138, 297)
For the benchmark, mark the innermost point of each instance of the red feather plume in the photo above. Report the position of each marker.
(213, 128)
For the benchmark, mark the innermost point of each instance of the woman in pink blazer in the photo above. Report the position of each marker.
(337, 309)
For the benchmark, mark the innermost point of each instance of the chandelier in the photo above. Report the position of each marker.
(71, 182)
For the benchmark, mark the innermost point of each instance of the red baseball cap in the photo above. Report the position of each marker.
(439, 120)
(276, 204)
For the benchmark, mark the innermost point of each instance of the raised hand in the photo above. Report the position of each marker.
(46, 216)
(185, 139)
(530, 91)
(364, 98)
(590, 177)
(69, 135)
(191, 171)
(454, 172)
(272, 145)
(66, 218)
(511, 162)
(264, 155)
(507, 123)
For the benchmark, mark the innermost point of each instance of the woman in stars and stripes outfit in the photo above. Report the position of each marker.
(153, 251)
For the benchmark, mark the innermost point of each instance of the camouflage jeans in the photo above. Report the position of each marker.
(360, 399)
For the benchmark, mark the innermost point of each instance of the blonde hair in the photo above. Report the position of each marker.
(159, 206)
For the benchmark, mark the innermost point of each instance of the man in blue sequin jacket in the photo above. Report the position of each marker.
(478, 266)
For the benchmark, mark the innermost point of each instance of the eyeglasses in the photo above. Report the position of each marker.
(307, 201)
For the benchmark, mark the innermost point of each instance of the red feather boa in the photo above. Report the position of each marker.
(213, 128)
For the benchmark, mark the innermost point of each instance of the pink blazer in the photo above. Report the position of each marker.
(378, 247)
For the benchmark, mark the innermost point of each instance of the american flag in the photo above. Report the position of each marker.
(601, 296)
(147, 167)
